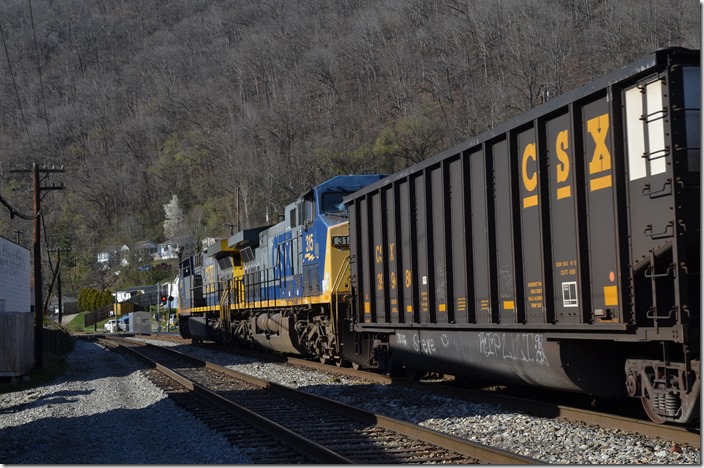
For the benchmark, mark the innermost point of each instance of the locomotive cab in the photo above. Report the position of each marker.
(296, 278)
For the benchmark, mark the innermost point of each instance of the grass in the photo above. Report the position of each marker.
(76, 325)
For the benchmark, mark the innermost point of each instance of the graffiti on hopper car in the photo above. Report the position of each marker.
(423, 345)
(527, 347)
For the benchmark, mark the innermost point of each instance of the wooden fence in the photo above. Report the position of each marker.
(57, 341)
(16, 343)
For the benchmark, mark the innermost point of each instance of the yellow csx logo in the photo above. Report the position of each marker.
(599, 168)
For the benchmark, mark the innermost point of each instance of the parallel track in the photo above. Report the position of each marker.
(676, 434)
(322, 430)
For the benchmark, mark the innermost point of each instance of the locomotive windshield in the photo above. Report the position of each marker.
(332, 202)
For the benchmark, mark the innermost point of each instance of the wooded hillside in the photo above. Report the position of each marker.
(237, 107)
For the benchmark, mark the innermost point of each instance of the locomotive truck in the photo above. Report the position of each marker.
(559, 250)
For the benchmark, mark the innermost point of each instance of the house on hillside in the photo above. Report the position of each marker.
(114, 255)
(207, 242)
(144, 251)
(166, 251)
(141, 253)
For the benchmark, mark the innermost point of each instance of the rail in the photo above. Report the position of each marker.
(453, 447)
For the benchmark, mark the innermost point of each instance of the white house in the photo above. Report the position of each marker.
(167, 250)
(144, 251)
(112, 254)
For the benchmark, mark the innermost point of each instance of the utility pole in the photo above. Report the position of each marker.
(38, 312)
(58, 279)
(38, 304)
(61, 302)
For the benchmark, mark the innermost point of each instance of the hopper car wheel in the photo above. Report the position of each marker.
(339, 362)
(323, 360)
(356, 366)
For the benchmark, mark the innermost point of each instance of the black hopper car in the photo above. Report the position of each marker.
(558, 250)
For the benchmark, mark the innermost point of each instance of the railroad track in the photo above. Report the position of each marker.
(676, 434)
(304, 428)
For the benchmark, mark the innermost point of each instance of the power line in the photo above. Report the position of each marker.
(39, 67)
(14, 212)
(14, 83)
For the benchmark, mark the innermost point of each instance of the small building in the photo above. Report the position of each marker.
(69, 305)
(166, 251)
(143, 251)
(114, 255)
(16, 315)
(140, 322)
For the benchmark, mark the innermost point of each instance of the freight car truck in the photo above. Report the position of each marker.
(560, 249)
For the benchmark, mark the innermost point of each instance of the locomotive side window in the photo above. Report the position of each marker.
(310, 210)
(225, 263)
(300, 212)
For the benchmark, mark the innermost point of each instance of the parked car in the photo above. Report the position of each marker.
(124, 323)
(112, 325)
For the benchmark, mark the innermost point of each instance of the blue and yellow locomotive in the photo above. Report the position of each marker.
(281, 287)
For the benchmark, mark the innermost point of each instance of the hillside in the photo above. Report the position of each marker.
(237, 107)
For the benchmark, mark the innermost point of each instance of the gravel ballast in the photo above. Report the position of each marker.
(548, 440)
(88, 416)
(93, 415)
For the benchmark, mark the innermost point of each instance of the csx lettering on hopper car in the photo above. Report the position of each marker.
(559, 250)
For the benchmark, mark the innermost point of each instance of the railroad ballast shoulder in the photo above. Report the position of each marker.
(560, 250)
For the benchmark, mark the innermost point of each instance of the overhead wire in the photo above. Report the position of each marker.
(39, 67)
(14, 84)
(14, 212)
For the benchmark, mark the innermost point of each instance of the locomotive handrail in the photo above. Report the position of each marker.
(335, 292)
(340, 275)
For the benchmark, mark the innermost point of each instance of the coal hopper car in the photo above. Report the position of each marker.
(560, 249)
